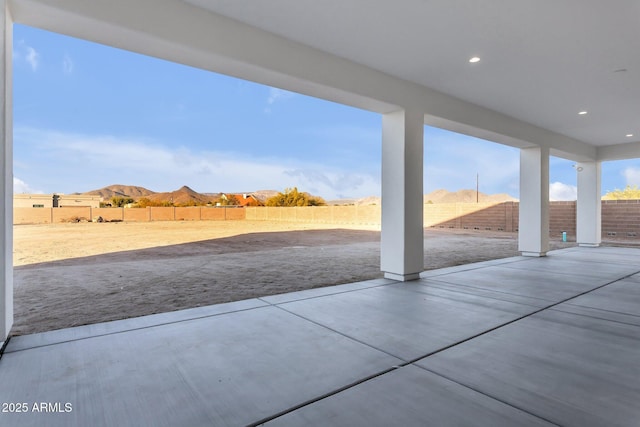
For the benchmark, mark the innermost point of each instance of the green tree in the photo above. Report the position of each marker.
(145, 202)
(118, 202)
(629, 192)
(293, 197)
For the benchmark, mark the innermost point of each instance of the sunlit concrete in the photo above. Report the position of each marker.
(520, 341)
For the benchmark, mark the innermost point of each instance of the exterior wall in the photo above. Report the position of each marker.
(29, 200)
(46, 200)
(478, 216)
(163, 213)
(32, 216)
(71, 214)
(108, 214)
(136, 215)
(317, 214)
(187, 214)
(213, 214)
(620, 218)
(55, 215)
(562, 217)
(235, 214)
(65, 201)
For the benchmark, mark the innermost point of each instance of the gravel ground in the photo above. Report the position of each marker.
(75, 274)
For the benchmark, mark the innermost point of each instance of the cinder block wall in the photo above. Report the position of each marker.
(32, 216)
(109, 214)
(367, 215)
(188, 214)
(136, 215)
(562, 217)
(70, 214)
(57, 215)
(621, 219)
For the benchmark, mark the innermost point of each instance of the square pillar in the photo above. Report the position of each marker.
(533, 235)
(589, 206)
(402, 237)
(6, 172)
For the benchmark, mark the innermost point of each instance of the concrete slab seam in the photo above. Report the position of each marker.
(513, 321)
(498, 327)
(470, 267)
(340, 333)
(122, 331)
(488, 395)
(391, 282)
(322, 397)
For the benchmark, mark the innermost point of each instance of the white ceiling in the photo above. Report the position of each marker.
(542, 61)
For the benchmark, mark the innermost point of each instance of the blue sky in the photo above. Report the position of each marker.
(87, 116)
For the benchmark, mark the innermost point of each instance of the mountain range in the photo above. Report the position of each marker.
(186, 195)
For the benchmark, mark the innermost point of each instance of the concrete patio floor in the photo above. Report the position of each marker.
(518, 341)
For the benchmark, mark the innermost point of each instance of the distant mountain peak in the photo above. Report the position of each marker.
(466, 196)
(119, 190)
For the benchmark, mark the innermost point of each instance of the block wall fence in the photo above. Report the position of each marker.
(74, 214)
(620, 218)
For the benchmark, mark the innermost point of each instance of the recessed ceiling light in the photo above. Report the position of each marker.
(474, 59)
(582, 113)
(629, 135)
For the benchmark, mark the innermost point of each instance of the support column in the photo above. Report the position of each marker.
(402, 238)
(589, 206)
(533, 235)
(6, 173)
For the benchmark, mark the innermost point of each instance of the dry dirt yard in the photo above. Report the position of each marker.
(75, 274)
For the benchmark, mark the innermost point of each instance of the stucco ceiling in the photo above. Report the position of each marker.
(542, 61)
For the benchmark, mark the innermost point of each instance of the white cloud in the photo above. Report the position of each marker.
(559, 191)
(21, 187)
(73, 162)
(632, 176)
(276, 95)
(32, 57)
(67, 64)
(452, 162)
(26, 53)
(336, 184)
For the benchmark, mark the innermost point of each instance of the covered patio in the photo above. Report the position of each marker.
(518, 341)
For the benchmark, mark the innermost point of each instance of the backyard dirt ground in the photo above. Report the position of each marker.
(75, 274)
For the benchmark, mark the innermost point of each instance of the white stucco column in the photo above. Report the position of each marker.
(533, 235)
(402, 241)
(589, 206)
(6, 173)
